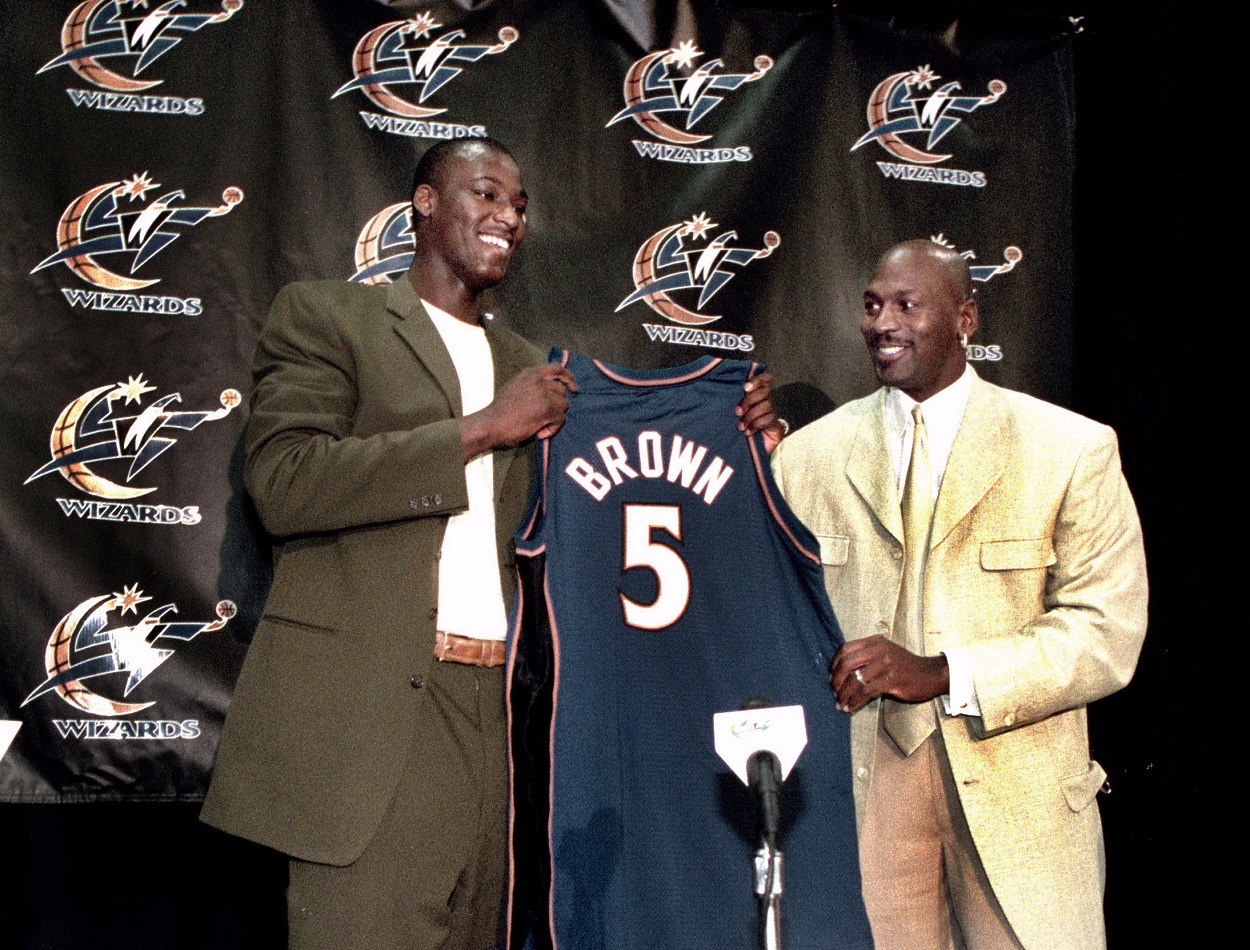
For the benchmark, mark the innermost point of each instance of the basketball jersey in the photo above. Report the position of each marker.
(665, 580)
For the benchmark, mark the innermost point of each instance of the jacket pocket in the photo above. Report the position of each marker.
(308, 586)
(1079, 790)
(834, 549)
(1020, 555)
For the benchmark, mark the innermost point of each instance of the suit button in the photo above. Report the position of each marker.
(416, 682)
(895, 553)
(414, 504)
(433, 612)
(861, 772)
(438, 499)
(425, 501)
(1009, 719)
(883, 626)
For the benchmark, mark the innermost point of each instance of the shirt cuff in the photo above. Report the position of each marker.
(962, 699)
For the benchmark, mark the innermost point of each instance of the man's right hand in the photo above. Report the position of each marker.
(532, 403)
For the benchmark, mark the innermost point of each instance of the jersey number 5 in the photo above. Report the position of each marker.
(671, 576)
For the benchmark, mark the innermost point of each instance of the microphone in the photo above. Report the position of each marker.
(764, 780)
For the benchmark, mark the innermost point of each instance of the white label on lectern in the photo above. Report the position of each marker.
(781, 730)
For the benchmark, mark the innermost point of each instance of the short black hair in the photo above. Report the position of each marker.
(429, 170)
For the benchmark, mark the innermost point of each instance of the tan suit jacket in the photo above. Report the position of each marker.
(1036, 569)
(353, 459)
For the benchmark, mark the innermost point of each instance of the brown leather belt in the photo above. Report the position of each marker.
(453, 648)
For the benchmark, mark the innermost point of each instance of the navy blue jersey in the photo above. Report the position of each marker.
(665, 580)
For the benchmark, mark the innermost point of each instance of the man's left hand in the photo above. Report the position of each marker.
(756, 413)
(875, 666)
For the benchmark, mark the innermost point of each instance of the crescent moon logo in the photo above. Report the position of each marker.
(634, 95)
(377, 92)
(74, 38)
(78, 474)
(384, 247)
(57, 661)
(878, 115)
(69, 235)
(645, 271)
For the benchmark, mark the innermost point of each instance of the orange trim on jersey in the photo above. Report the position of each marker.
(670, 381)
(772, 504)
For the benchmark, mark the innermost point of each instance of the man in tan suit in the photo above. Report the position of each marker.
(969, 678)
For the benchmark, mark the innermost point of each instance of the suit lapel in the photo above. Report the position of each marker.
(977, 460)
(868, 458)
(416, 329)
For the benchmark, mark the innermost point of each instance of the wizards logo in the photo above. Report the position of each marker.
(396, 55)
(86, 645)
(691, 262)
(907, 104)
(667, 82)
(114, 219)
(127, 32)
(983, 273)
(97, 427)
(384, 247)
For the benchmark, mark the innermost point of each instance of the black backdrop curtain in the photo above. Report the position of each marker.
(148, 228)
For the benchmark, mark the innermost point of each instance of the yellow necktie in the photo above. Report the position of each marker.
(909, 724)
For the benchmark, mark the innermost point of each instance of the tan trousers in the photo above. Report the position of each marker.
(434, 875)
(924, 886)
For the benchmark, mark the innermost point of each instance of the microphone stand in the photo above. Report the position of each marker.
(768, 861)
(764, 773)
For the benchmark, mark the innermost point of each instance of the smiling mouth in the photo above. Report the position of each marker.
(495, 241)
(887, 351)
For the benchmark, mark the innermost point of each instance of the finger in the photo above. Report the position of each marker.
(758, 419)
(864, 684)
(842, 672)
(759, 381)
(547, 431)
(558, 373)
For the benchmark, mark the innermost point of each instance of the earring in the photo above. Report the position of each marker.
(963, 340)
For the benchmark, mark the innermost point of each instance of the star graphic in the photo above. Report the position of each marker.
(924, 77)
(684, 54)
(137, 186)
(133, 389)
(129, 599)
(940, 239)
(423, 24)
(699, 225)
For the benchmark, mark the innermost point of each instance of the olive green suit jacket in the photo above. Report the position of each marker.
(1036, 569)
(354, 462)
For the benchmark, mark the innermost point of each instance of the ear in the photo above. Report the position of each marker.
(424, 199)
(968, 318)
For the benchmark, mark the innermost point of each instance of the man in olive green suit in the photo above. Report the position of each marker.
(969, 684)
(380, 771)
(366, 736)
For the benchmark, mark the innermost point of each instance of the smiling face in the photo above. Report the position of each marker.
(916, 308)
(471, 219)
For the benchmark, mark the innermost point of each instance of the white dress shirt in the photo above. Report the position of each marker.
(943, 412)
(470, 599)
